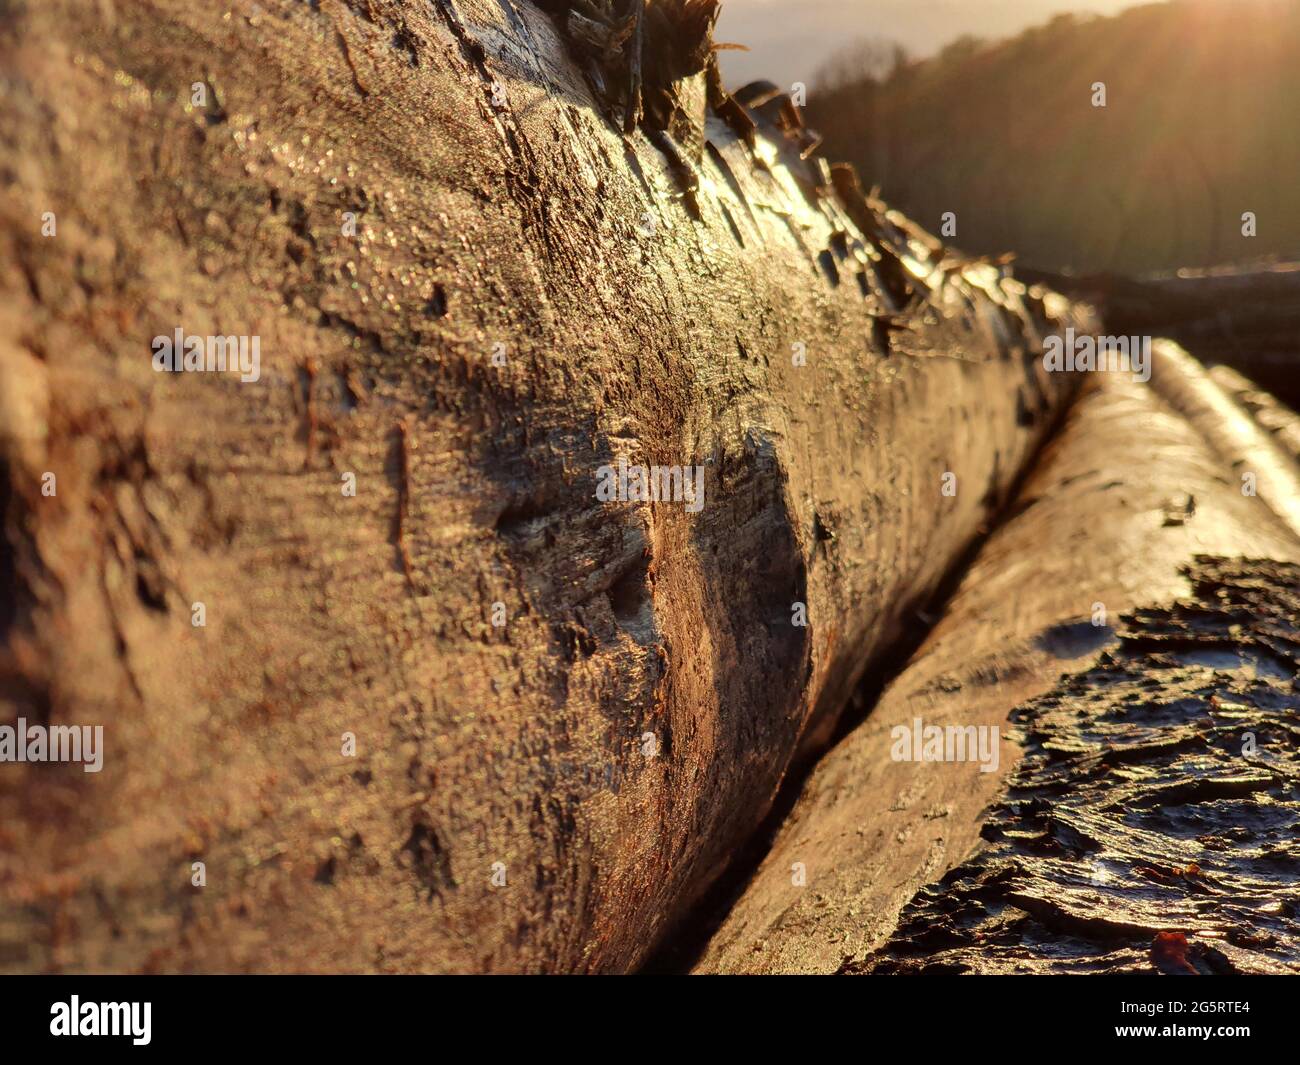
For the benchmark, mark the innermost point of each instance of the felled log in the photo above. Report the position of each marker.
(1111, 518)
(1190, 722)
(1247, 318)
(398, 668)
(1260, 464)
(1273, 417)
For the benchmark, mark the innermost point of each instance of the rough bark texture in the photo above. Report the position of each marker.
(1127, 494)
(646, 291)
(1151, 825)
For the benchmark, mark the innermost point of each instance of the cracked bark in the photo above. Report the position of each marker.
(1150, 826)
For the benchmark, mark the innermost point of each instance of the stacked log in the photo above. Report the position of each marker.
(875, 868)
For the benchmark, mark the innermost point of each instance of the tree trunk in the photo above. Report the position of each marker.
(474, 295)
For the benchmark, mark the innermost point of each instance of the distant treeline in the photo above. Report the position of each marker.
(1201, 125)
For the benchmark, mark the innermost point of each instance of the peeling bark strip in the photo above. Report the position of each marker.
(1151, 824)
(1088, 538)
(466, 716)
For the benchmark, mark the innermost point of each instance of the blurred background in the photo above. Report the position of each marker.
(985, 109)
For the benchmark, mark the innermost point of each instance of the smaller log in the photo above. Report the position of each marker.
(1124, 497)
(1088, 865)
(1278, 420)
(1259, 464)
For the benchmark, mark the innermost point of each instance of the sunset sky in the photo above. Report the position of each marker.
(789, 39)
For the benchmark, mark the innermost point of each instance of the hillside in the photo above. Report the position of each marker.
(1199, 123)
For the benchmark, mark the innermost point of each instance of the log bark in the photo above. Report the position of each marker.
(1124, 498)
(472, 292)
(1260, 463)
(1149, 827)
